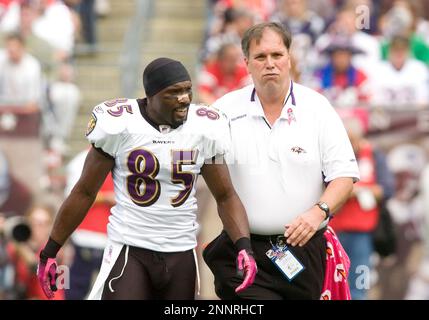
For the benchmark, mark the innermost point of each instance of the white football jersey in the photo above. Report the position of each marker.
(155, 172)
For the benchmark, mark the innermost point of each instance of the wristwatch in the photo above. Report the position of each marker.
(325, 208)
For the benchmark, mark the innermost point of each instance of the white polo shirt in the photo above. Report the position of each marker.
(279, 171)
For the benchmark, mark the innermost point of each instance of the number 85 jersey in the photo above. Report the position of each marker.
(155, 172)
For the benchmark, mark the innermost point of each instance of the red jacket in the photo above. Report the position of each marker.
(98, 216)
(351, 217)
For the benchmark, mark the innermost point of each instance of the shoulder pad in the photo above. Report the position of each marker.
(207, 120)
(112, 116)
(206, 114)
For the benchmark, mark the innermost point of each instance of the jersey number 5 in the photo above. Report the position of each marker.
(142, 185)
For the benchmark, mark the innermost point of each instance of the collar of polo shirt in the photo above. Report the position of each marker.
(259, 112)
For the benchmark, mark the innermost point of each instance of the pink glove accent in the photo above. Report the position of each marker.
(247, 263)
(47, 275)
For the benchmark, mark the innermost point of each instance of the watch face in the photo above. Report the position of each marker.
(324, 206)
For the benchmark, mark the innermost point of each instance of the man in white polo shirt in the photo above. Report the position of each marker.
(292, 166)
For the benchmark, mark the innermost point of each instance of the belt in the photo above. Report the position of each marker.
(273, 237)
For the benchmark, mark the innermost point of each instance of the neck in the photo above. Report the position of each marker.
(398, 66)
(272, 107)
(298, 14)
(271, 97)
(25, 31)
(144, 110)
(272, 101)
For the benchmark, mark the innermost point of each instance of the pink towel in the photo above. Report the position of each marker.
(335, 285)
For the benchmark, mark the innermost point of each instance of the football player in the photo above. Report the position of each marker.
(155, 147)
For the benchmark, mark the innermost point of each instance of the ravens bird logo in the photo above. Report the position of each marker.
(298, 150)
(91, 124)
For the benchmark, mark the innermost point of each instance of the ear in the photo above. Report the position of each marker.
(246, 61)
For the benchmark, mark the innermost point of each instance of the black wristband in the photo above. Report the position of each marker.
(244, 243)
(50, 250)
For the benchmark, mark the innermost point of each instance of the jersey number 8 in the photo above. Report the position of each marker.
(142, 185)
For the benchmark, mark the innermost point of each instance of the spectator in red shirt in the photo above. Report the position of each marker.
(226, 73)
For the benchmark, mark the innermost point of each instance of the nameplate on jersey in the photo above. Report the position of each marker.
(285, 261)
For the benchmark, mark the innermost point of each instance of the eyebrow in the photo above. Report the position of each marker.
(179, 89)
(258, 54)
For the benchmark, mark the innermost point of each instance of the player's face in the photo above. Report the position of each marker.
(269, 62)
(173, 102)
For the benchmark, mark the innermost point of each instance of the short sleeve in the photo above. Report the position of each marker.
(218, 138)
(338, 158)
(99, 138)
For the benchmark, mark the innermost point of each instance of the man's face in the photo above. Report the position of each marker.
(15, 50)
(40, 223)
(294, 8)
(345, 22)
(171, 104)
(269, 62)
(230, 60)
(242, 24)
(28, 15)
(341, 60)
(398, 56)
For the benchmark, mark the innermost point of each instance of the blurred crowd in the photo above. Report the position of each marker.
(339, 48)
(369, 58)
(39, 101)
